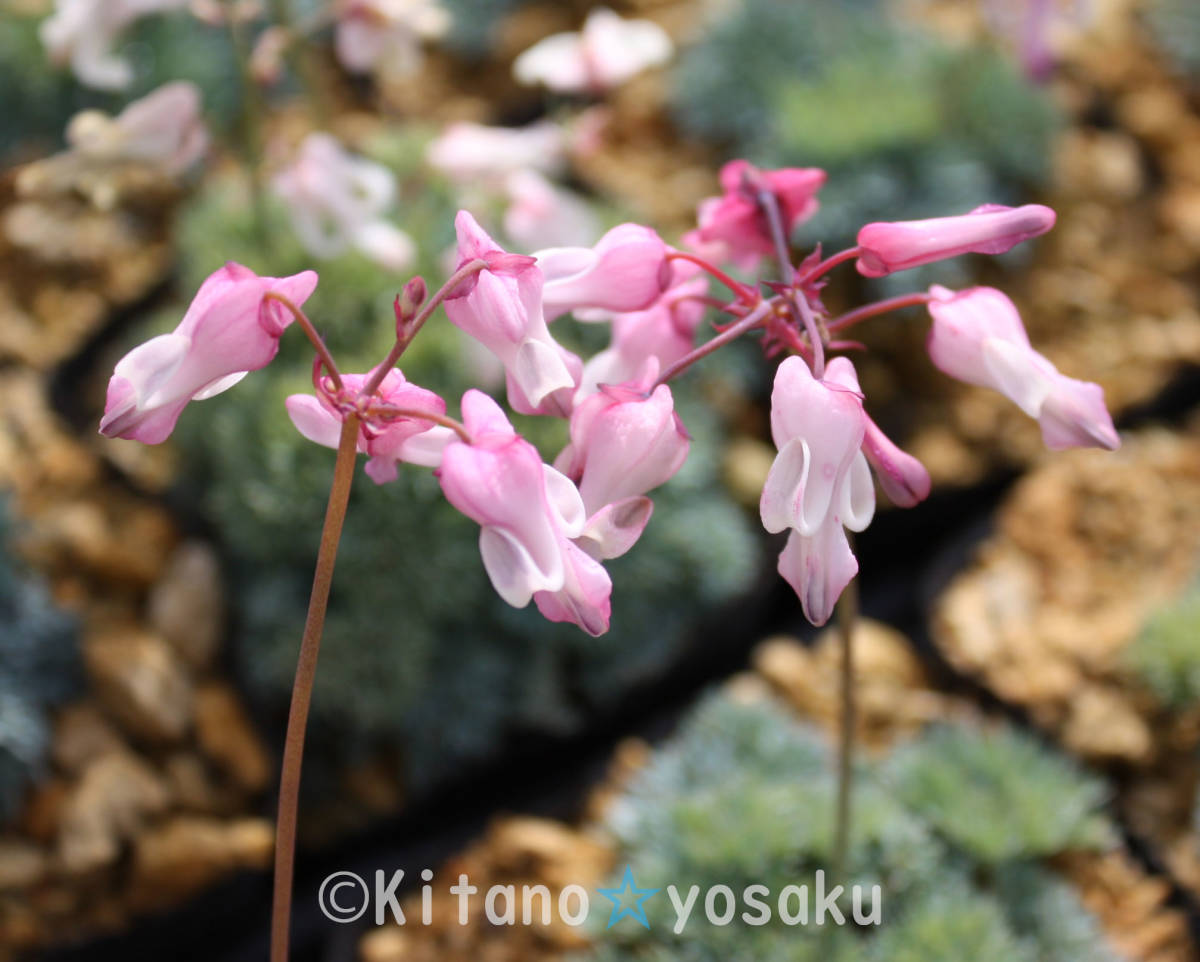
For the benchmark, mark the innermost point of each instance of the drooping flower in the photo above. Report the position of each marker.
(735, 222)
(337, 201)
(528, 513)
(886, 247)
(83, 33)
(903, 478)
(819, 484)
(387, 34)
(604, 54)
(625, 271)
(228, 331)
(468, 153)
(541, 214)
(977, 336)
(164, 129)
(665, 331)
(385, 438)
(626, 440)
(501, 307)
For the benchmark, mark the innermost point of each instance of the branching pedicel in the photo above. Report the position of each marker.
(545, 530)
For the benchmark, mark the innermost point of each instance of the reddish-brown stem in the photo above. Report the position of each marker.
(825, 266)
(387, 411)
(306, 668)
(467, 270)
(311, 333)
(752, 320)
(850, 318)
(714, 302)
(744, 292)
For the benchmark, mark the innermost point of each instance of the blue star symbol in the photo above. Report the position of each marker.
(617, 897)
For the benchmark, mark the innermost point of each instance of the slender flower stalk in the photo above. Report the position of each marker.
(311, 333)
(754, 319)
(825, 266)
(306, 670)
(847, 618)
(850, 318)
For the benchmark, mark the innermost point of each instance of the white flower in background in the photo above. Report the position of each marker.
(82, 33)
(541, 214)
(387, 34)
(337, 202)
(164, 129)
(468, 153)
(605, 53)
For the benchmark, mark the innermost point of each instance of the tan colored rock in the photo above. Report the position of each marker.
(187, 605)
(22, 864)
(385, 945)
(81, 735)
(1102, 723)
(228, 738)
(189, 852)
(140, 682)
(109, 805)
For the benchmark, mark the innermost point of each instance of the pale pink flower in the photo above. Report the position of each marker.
(387, 34)
(735, 224)
(886, 247)
(337, 201)
(665, 331)
(625, 271)
(820, 483)
(164, 129)
(626, 440)
(468, 153)
(228, 331)
(604, 54)
(83, 33)
(977, 336)
(501, 307)
(386, 440)
(541, 214)
(528, 513)
(903, 478)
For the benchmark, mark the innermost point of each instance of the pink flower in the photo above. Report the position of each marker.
(164, 128)
(990, 229)
(469, 152)
(735, 221)
(540, 214)
(528, 513)
(665, 331)
(820, 483)
(606, 53)
(977, 337)
(387, 34)
(501, 307)
(385, 440)
(337, 201)
(625, 271)
(83, 33)
(625, 441)
(228, 331)
(903, 478)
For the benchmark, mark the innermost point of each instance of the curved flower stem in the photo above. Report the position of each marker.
(744, 292)
(752, 320)
(825, 266)
(850, 318)
(468, 269)
(770, 207)
(311, 333)
(306, 668)
(847, 616)
(386, 411)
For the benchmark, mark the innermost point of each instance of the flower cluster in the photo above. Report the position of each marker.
(546, 529)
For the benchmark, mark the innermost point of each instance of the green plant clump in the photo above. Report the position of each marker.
(1176, 26)
(1166, 655)
(39, 668)
(906, 126)
(744, 795)
(419, 653)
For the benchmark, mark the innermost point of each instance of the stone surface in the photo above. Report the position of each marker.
(140, 682)
(228, 739)
(187, 605)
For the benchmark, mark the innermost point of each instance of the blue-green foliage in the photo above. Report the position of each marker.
(906, 126)
(39, 668)
(474, 22)
(744, 794)
(418, 650)
(1166, 655)
(1175, 24)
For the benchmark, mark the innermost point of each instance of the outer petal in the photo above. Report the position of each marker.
(586, 596)
(556, 61)
(818, 568)
(628, 271)
(1074, 416)
(615, 528)
(962, 322)
(903, 478)
(313, 420)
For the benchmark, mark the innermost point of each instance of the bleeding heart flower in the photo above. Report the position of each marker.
(625, 271)
(228, 331)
